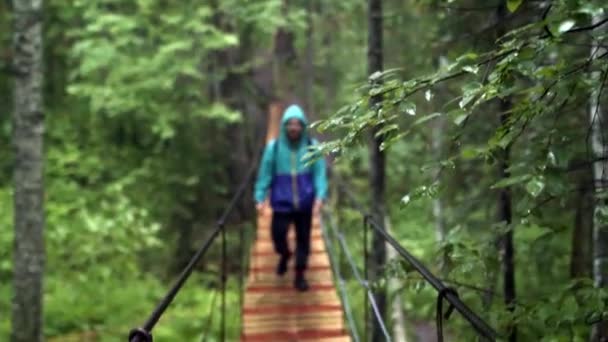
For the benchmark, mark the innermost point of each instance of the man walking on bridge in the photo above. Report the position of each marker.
(297, 190)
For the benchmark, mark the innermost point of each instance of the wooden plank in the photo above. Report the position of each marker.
(274, 311)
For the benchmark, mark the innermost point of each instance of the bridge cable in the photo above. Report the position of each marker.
(363, 282)
(241, 264)
(335, 263)
(365, 270)
(444, 292)
(144, 333)
(212, 311)
(223, 285)
(210, 315)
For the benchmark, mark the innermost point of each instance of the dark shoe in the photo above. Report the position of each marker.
(282, 265)
(300, 283)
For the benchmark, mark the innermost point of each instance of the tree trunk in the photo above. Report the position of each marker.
(309, 67)
(505, 214)
(581, 253)
(329, 74)
(284, 62)
(28, 131)
(377, 165)
(394, 286)
(183, 248)
(599, 146)
(440, 231)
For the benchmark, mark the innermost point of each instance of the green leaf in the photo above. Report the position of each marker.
(423, 191)
(375, 91)
(535, 186)
(513, 5)
(467, 57)
(408, 107)
(375, 76)
(551, 158)
(459, 116)
(472, 152)
(566, 25)
(409, 84)
(469, 92)
(386, 129)
(473, 69)
(506, 139)
(590, 9)
(426, 118)
(385, 144)
(511, 181)
(428, 95)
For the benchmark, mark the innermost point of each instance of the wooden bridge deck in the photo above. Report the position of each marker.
(274, 311)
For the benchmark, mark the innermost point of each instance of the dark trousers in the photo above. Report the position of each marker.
(280, 226)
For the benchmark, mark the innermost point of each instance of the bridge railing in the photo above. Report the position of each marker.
(444, 293)
(144, 332)
(332, 234)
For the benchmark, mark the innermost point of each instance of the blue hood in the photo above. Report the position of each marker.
(293, 112)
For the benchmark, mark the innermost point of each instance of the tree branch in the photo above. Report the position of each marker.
(468, 8)
(588, 28)
(545, 27)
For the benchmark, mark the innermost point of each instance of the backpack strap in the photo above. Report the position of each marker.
(275, 153)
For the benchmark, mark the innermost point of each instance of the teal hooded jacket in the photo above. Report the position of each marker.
(293, 182)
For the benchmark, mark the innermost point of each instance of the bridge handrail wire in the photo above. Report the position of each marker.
(144, 333)
(444, 292)
(341, 284)
(210, 315)
(363, 282)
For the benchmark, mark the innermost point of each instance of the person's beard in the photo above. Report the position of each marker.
(294, 138)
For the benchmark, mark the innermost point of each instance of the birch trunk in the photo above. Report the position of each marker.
(28, 131)
(598, 121)
(394, 286)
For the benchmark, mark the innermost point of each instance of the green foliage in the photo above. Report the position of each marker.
(105, 309)
(537, 78)
(6, 238)
(140, 152)
(513, 5)
(146, 102)
(126, 62)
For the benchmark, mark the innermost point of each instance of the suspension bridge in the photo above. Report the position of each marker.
(272, 310)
